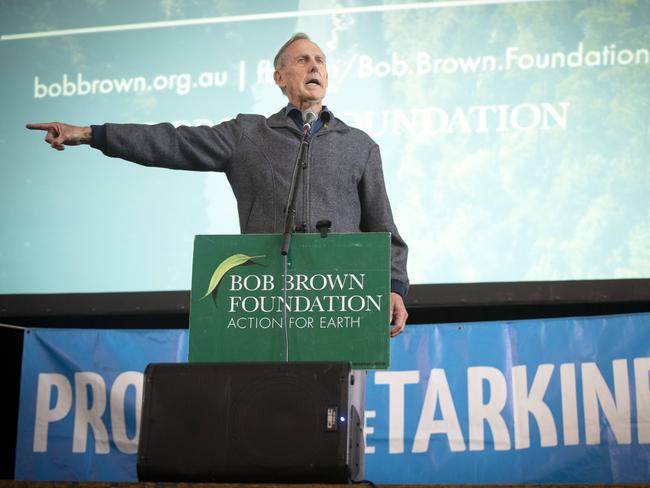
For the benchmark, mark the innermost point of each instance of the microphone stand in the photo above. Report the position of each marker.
(300, 164)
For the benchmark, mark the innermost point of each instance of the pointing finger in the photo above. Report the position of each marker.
(46, 126)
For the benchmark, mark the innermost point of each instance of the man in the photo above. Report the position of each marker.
(343, 181)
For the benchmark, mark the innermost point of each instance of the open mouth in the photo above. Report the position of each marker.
(313, 82)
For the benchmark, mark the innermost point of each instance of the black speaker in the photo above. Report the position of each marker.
(249, 422)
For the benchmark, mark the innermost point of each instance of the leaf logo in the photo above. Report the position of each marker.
(225, 266)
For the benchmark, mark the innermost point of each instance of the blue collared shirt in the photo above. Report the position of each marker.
(292, 111)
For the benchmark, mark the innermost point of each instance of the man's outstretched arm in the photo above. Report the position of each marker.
(199, 148)
(60, 135)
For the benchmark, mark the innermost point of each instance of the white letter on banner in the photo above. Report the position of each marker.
(118, 419)
(642, 388)
(438, 388)
(570, 429)
(45, 414)
(93, 415)
(396, 381)
(490, 412)
(617, 412)
(368, 430)
(525, 402)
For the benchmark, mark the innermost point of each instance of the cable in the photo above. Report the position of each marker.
(285, 324)
(17, 327)
(365, 482)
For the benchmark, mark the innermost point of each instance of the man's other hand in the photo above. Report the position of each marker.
(398, 314)
(60, 135)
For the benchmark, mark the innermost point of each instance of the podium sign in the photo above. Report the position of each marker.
(337, 299)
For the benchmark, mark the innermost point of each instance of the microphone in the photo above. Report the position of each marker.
(309, 116)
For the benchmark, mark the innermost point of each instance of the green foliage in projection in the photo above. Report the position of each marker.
(556, 203)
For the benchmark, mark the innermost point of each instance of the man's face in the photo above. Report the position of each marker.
(303, 75)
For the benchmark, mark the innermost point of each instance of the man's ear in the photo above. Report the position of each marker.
(277, 77)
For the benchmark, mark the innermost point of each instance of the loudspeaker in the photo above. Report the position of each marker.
(249, 422)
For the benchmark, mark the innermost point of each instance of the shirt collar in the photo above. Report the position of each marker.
(296, 115)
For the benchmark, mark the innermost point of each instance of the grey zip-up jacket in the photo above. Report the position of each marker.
(343, 181)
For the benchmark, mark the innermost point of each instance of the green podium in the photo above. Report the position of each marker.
(333, 299)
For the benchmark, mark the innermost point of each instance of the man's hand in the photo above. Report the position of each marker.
(398, 314)
(59, 134)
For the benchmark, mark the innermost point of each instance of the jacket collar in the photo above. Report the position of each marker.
(281, 119)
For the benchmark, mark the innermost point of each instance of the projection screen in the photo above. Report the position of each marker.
(514, 134)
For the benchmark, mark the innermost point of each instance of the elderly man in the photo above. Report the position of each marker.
(343, 181)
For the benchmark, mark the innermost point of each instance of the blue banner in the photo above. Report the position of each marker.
(536, 401)
(539, 401)
(80, 398)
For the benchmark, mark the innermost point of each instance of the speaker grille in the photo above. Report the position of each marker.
(277, 419)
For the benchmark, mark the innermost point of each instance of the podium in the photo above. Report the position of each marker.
(266, 395)
(334, 297)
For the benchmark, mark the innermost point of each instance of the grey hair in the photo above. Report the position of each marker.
(278, 61)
